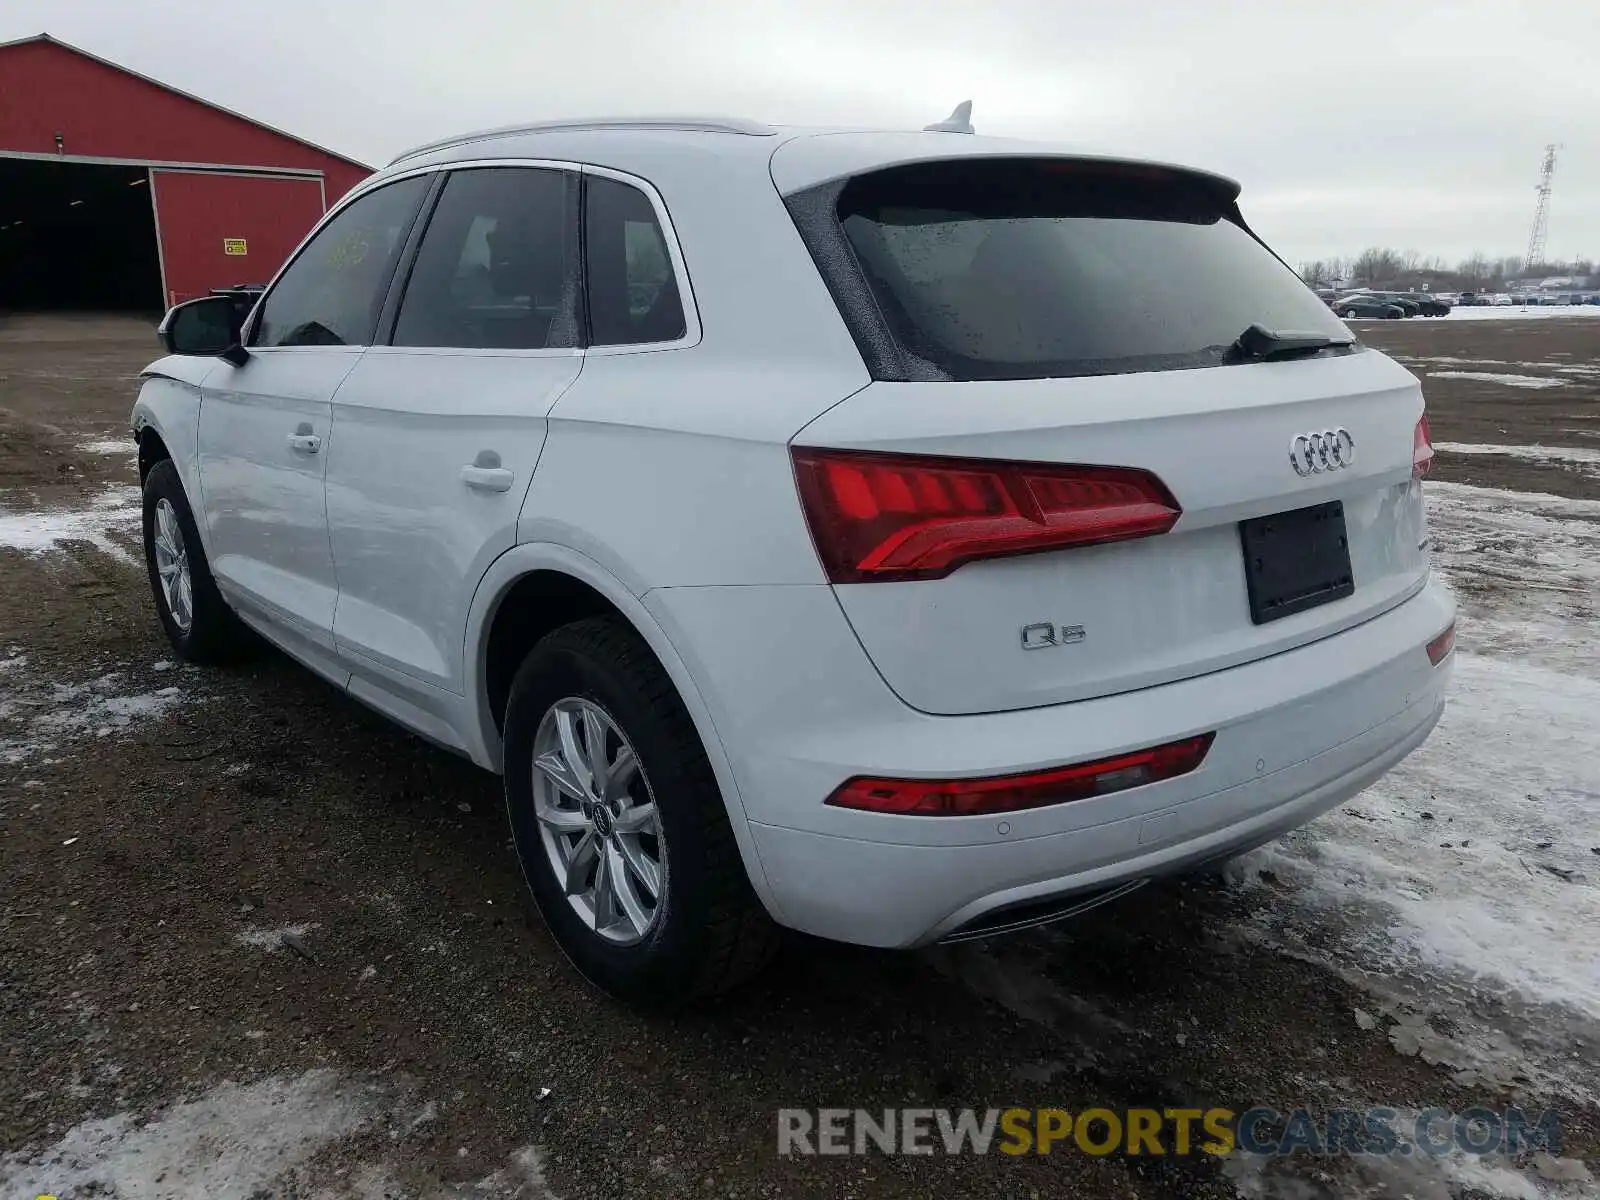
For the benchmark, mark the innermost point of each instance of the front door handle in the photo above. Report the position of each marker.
(488, 479)
(305, 443)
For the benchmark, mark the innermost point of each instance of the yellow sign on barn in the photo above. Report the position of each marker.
(234, 246)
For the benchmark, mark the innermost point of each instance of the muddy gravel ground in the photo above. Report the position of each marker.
(256, 942)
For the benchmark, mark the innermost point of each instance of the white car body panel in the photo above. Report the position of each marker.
(169, 406)
(263, 498)
(413, 521)
(804, 711)
(1154, 609)
(661, 478)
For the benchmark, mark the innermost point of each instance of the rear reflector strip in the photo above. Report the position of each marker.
(1036, 789)
(1421, 449)
(876, 517)
(1439, 649)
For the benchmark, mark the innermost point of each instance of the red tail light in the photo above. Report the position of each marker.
(1421, 449)
(893, 516)
(1009, 793)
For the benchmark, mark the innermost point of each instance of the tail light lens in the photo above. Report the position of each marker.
(893, 517)
(1036, 789)
(1421, 449)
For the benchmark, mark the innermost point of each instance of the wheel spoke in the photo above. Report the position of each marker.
(627, 896)
(619, 775)
(640, 864)
(605, 895)
(583, 856)
(556, 768)
(641, 818)
(562, 820)
(577, 761)
(594, 741)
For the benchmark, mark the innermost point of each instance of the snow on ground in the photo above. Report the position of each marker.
(1428, 362)
(114, 511)
(244, 1140)
(1514, 312)
(1412, 1172)
(37, 718)
(1504, 312)
(1519, 381)
(111, 446)
(1586, 460)
(1473, 869)
(274, 939)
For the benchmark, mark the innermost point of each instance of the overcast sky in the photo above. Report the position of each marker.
(1417, 124)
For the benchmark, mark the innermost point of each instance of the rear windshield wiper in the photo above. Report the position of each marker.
(1260, 344)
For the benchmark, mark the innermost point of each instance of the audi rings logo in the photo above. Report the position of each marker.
(1329, 450)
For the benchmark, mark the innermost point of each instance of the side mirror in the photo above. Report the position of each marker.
(205, 327)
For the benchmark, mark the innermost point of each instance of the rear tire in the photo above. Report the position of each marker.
(197, 620)
(700, 930)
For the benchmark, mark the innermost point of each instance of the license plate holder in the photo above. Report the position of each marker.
(1296, 560)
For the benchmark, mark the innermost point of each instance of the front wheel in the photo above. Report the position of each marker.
(197, 620)
(620, 826)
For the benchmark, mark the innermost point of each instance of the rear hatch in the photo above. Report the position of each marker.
(1069, 479)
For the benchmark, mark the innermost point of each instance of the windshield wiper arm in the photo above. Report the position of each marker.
(1260, 344)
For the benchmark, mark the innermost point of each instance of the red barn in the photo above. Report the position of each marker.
(117, 191)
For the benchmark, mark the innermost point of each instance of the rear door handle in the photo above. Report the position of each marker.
(488, 479)
(305, 443)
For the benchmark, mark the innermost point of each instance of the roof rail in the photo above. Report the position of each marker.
(736, 125)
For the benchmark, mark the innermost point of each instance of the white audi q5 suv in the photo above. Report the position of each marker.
(899, 537)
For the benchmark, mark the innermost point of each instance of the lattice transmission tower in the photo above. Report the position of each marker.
(1541, 214)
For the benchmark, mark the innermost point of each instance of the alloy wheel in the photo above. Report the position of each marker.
(598, 821)
(172, 566)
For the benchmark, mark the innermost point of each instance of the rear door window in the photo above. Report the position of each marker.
(1028, 268)
(497, 267)
(633, 291)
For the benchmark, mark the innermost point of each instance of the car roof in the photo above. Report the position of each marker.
(799, 156)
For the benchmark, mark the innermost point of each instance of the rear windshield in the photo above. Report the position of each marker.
(1017, 269)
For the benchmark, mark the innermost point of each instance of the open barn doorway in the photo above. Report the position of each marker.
(77, 236)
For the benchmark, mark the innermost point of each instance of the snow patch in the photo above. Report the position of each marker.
(41, 718)
(273, 939)
(1511, 312)
(236, 1140)
(39, 531)
(111, 446)
(245, 1140)
(1534, 453)
(1411, 1171)
(1521, 381)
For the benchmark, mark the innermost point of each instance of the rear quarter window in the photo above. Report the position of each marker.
(1014, 269)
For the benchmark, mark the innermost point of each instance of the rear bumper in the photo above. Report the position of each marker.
(799, 710)
(888, 894)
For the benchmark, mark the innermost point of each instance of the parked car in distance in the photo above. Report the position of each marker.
(1407, 306)
(855, 594)
(1427, 305)
(1368, 306)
